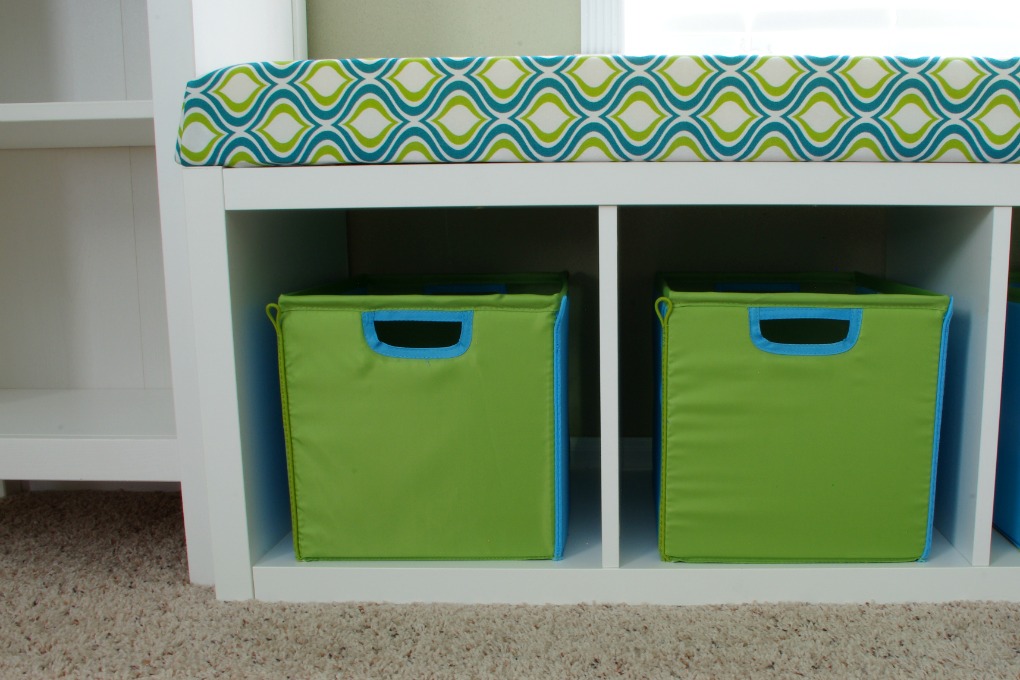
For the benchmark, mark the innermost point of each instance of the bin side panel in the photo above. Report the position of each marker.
(1007, 474)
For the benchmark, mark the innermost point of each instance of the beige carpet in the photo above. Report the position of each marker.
(94, 585)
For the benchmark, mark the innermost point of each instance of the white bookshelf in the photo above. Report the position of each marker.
(86, 379)
(255, 233)
(87, 359)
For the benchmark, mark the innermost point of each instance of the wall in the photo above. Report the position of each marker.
(428, 28)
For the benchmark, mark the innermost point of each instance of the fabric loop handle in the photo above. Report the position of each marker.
(853, 317)
(663, 308)
(273, 312)
(464, 318)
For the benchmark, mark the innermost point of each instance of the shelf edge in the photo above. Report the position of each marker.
(51, 125)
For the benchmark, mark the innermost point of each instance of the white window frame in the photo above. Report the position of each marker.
(601, 26)
(602, 32)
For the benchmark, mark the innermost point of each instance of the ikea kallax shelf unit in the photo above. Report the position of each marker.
(255, 232)
(86, 380)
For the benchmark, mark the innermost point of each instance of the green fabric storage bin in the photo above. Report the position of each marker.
(426, 418)
(799, 418)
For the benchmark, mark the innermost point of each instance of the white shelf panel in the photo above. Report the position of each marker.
(566, 184)
(642, 577)
(122, 435)
(946, 576)
(964, 248)
(561, 583)
(89, 460)
(79, 414)
(55, 125)
(609, 381)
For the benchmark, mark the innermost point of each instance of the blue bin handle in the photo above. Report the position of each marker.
(853, 316)
(464, 318)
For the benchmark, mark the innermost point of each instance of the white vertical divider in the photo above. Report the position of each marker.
(217, 383)
(299, 26)
(235, 31)
(609, 384)
(187, 38)
(990, 347)
(172, 64)
(239, 263)
(963, 252)
(601, 26)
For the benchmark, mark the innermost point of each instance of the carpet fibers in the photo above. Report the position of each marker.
(94, 585)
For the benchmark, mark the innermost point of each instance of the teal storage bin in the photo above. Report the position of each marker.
(425, 418)
(799, 418)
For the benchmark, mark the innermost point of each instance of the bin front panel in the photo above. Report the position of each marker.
(798, 457)
(431, 458)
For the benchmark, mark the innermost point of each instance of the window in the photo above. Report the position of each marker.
(877, 27)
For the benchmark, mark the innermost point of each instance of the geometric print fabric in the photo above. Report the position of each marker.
(604, 108)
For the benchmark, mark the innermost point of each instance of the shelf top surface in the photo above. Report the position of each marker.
(49, 125)
(75, 111)
(594, 184)
(87, 413)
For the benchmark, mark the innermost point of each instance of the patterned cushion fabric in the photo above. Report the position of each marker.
(601, 108)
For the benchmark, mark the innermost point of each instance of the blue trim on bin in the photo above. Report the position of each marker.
(561, 434)
(852, 315)
(938, 429)
(1006, 534)
(657, 441)
(1007, 467)
(464, 318)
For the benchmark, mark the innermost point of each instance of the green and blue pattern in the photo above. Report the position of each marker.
(604, 108)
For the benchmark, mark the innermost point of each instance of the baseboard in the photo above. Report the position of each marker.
(170, 487)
